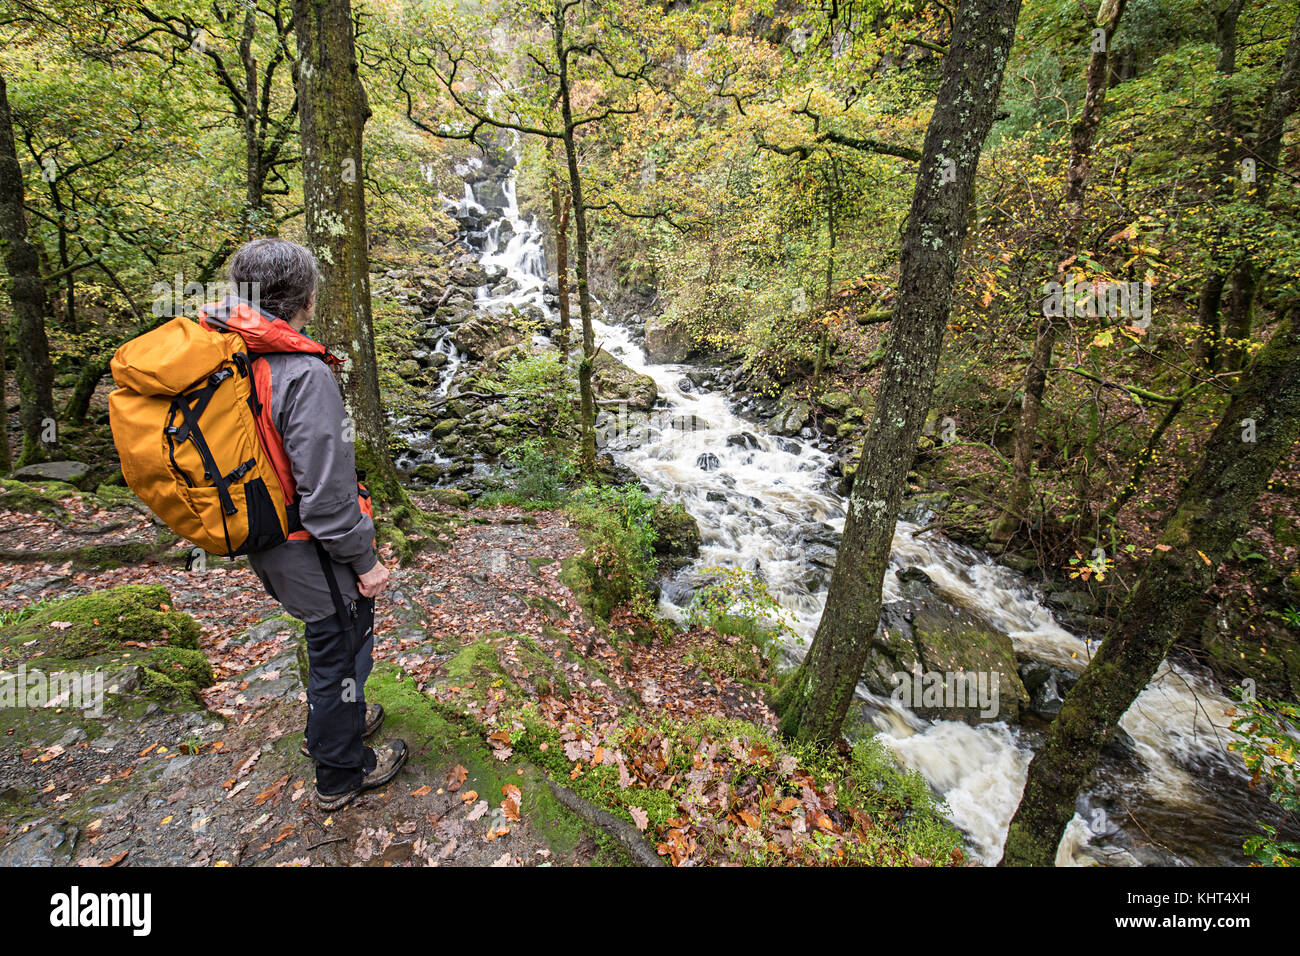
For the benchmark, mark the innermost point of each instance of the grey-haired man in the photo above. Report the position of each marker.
(327, 574)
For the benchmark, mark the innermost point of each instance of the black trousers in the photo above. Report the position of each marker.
(339, 659)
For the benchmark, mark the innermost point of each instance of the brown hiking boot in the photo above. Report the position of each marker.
(388, 760)
(374, 720)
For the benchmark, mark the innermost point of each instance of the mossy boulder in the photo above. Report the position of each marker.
(452, 497)
(677, 534)
(176, 674)
(614, 381)
(486, 333)
(837, 402)
(790, 419)
(100, 621)
(38, 496)
(967, 669)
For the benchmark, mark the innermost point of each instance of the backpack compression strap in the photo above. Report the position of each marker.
(340, 608)
(190, 431)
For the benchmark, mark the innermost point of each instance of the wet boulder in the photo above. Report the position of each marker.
(790, 419)
(677, 535)
(666, 342)
(942, 662)
(485, 333)
(708, 461)
(1047, 685)
(468, 275)
(614, 381)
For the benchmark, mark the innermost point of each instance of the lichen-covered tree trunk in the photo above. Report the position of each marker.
(254, 175)
(34, 372)
(586, 397)
(1225, 64)
(560, 205)
(1082, 137)
(815, 699)
(1210, 513)
(6, 459)
(332, 113)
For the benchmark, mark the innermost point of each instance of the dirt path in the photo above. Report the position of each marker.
(464, 634)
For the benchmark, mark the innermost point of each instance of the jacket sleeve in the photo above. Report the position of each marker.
(312, 425)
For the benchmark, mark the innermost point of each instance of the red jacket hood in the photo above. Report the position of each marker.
(262, 333)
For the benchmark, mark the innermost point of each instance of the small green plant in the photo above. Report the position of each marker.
(539, 390)
(16, 615)
(738, 602)
(540, 478)
(1269, 744)
(619, 560)
(1289, 616)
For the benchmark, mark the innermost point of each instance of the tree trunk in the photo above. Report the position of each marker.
(1240, 318)
(816, 697)
(27, 293)
(1082, 137)
(1206, 354)
(1225, 64)
(1283, 99)
(587, 399)
(1210, 513)
(560, 204)
(6, 459)
(254, 177)
(332, 113)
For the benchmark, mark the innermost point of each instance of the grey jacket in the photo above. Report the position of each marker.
(308, 411)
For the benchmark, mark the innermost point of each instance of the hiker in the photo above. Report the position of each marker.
(327, 574)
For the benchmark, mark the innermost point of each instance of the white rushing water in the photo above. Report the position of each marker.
(764, 505)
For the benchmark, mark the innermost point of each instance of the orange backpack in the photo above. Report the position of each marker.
(191, 420)
(184, 421)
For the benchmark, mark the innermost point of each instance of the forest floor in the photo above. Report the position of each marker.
(512, 702)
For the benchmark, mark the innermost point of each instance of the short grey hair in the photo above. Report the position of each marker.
(282, 274)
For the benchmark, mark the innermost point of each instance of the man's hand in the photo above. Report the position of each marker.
(372, 583)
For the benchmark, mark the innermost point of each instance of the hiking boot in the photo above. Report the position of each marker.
(388, 760)
(374, 720)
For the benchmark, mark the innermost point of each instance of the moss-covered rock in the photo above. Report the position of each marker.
(614, 381)
(100, 621)
(173, 673)
(40, 496)
(485, 333)
(677, 534)
(952, 652)
(837, 402)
